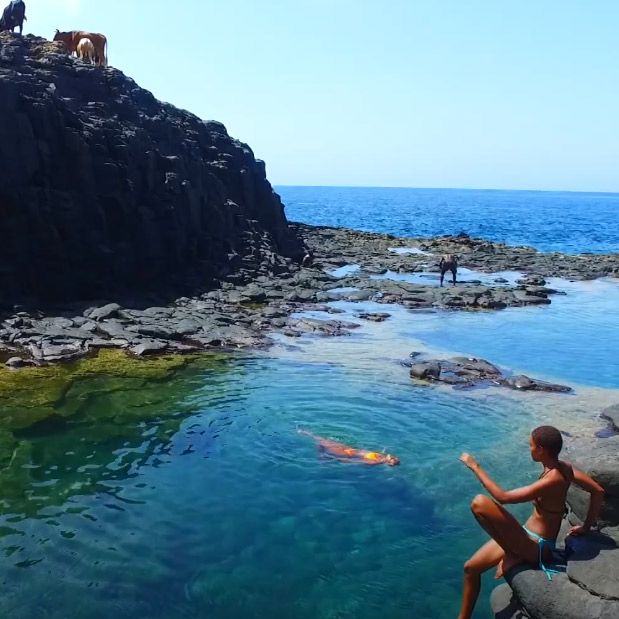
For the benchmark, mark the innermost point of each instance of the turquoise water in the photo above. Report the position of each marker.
(548, 220)
(235, 515)
(215, 506)
(195, 496)
(572, 339)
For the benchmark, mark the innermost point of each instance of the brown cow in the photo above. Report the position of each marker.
(86, 50)
(72, 38)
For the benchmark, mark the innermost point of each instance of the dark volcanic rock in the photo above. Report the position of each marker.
(524, 383)
(505, 604)
(426, 371)
(373, 316)
(600, 459)
(468, 372)
(339, 246)
(558, 599)
(106, 190)
(611, 414)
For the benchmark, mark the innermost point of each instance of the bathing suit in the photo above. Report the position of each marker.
(543, 541)
(372, 456)
(538, 502)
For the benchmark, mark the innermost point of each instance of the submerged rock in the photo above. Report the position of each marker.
(373, 316)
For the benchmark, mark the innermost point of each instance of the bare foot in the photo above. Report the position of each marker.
(507, 563)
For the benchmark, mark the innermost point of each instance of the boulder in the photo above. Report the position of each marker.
(557, 599)
(505, 604)
(600, 459)
(426, 371)
(373, 316)
(611, 414)
(524, 383)
(594, 565)
(101, 313)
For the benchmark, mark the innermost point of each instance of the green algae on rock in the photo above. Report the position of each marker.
(32, 394)
(92, 408)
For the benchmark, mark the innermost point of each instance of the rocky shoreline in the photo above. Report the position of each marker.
(239, 315)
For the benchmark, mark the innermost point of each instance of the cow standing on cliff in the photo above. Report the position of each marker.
(14, 15)
(72, 38)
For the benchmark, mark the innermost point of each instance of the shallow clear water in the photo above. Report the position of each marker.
(571, 339)
(236, 515)
(550, 221)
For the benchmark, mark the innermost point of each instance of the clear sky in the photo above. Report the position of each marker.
(417, 93)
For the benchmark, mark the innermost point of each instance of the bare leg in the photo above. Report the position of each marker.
(507, 532)
(486, 557)
(442, 277)
(453, 276)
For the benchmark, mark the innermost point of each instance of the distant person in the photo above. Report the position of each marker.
(512, 544)
(14, 15)
(344, 452)
(308, 259)
(449, 262)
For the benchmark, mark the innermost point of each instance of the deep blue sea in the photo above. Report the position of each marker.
(194, 496)
(548, 220)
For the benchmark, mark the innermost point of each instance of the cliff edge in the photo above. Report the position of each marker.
(105, 190)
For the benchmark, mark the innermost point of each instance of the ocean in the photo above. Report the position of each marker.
(193, 495)
(547, 220)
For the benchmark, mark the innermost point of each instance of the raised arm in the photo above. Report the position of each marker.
(518, 495)
(596, 491)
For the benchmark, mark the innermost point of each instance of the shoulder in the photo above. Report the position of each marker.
(565, 470)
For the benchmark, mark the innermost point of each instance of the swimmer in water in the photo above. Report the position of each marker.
(344, 452)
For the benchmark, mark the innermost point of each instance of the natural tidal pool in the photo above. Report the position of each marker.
(186, 491)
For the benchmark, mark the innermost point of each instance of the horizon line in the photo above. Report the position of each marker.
(320, 186)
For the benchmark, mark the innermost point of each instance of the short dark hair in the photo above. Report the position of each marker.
(548, 438)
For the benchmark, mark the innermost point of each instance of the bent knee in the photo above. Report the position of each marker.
(470, 567)
(480, 504)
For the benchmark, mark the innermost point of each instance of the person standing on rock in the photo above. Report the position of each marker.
(449, 262)
(512, 544)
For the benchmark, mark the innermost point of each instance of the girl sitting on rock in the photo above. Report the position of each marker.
(532, 543)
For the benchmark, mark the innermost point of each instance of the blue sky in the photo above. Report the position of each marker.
(416, 93)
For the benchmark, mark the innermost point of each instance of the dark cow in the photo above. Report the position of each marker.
(449, 262)
(13, 15)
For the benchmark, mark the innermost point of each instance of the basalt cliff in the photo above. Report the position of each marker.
(106, 191)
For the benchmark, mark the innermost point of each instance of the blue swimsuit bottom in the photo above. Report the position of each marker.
(543, 542)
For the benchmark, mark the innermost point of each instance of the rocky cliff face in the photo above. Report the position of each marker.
(104, 190)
